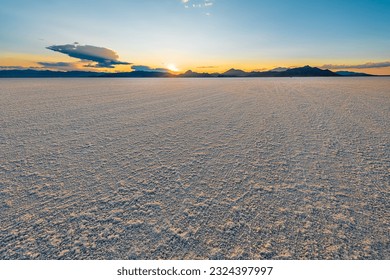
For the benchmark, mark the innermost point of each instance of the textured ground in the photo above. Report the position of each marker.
(195, 168)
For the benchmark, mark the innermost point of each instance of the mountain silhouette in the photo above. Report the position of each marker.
(139, 74)
(235, 73)
(30, 73)
(191, 74)
(305, 71)
(350, 73)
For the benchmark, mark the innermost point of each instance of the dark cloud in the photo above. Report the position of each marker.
(12, 68)
(104, 58)
(358, 66)
(56, 64)
(148, 69)
(62, 66)
(18, 67)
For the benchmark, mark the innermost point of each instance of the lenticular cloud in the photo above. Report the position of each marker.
(104, 58)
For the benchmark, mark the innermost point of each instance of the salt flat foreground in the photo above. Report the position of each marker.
(195, 168)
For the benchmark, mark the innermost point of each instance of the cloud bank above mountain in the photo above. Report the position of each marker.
(367, 65)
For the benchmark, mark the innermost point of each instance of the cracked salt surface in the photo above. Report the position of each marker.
(195, 168)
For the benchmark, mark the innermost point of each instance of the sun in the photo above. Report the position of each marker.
(172, 67)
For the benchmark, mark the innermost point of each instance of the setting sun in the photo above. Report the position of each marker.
(172, 67)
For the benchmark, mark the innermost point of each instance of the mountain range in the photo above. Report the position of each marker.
(306, 71)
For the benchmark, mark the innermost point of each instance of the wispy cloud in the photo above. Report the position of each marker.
(148, 69)
(18, 67)
(206, 67)
(357, 66)
(56, 64)
(63, 66)
(198, 3)
(102, 57)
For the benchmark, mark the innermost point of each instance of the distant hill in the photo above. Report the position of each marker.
(30, 73)
(191, 74)
(280, 69)
(305, 71)
(349, 73)
(139, 74)
(235, 73)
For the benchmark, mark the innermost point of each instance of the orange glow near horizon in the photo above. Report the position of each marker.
(32, 61)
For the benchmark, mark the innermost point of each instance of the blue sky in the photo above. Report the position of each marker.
(198, 34)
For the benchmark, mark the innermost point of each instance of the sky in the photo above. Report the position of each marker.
(201, 35)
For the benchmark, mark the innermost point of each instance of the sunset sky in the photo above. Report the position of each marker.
(201, 35)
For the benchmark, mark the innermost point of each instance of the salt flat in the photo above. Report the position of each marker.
(274, 168)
